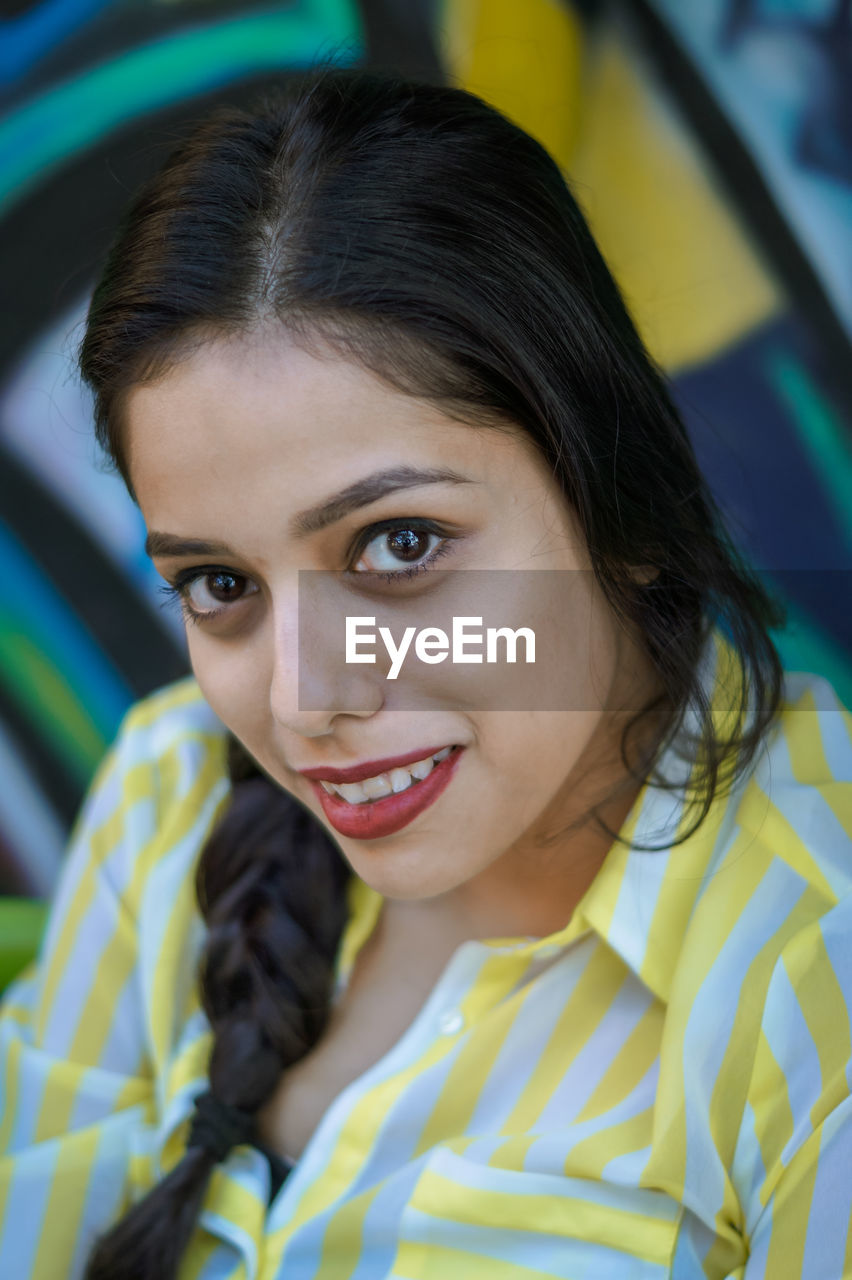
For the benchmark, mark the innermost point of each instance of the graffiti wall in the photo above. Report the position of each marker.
(710, 144)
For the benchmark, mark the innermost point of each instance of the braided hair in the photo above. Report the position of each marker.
(419, 232)
(270, 883)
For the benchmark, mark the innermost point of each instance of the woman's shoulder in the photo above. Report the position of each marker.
(752, 952)
(767, 876)
(159, 792)
(158, 789)
(173, 710)
(798, 801)
(168, 743)
(813, 710)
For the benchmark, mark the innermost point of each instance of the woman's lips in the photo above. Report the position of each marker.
(368, 768)
(376, 818)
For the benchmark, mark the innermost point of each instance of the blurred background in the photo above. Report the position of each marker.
(710, 145)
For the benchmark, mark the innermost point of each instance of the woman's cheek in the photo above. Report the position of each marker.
(231, 684)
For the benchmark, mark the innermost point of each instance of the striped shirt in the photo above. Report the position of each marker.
(662, 1088)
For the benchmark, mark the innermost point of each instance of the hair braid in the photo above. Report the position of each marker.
(270, 887)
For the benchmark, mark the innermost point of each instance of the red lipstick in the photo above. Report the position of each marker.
(370, 769)
(376, 818)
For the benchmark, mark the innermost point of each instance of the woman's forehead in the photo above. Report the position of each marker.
(241, 409)
(243, 387)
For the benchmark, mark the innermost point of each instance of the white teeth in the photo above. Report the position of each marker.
(400, 779)
(353, 792)
(385, 784)
(377, 787)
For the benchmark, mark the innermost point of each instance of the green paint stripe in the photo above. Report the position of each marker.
(72, 116)
(22, 923)
(50, 704)
(820, 432)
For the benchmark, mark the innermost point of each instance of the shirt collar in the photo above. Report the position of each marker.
(641, 900)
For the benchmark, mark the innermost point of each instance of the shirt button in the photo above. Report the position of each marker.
(451, 1022)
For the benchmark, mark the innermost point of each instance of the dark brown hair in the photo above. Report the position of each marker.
(418, 231)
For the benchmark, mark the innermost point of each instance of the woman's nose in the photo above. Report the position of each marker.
(311, 684)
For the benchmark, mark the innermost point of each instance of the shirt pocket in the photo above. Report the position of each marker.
(470, 1221)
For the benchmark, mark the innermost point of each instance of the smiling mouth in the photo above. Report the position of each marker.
(382, 805)
(392, 782)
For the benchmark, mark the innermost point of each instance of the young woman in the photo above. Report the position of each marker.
(433, 977)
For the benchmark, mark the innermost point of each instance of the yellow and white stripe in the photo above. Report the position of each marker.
(663, 1088)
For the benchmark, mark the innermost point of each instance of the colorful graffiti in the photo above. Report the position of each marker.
(709, 143)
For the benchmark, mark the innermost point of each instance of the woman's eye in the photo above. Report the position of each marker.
(209, 592)
(204, 595)
(397, 549)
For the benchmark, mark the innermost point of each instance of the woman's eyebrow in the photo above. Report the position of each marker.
(360, 494)
(368, 490)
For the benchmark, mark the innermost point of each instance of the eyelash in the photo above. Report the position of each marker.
(178, 589)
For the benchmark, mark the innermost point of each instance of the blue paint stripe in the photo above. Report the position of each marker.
(29, 37)
(74, 115)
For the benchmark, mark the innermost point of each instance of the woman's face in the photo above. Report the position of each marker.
(283, 461)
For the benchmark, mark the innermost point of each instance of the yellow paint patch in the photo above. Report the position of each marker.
(692, 279)
(523, 58)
